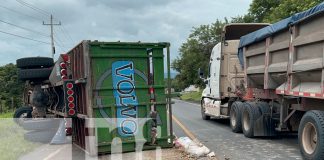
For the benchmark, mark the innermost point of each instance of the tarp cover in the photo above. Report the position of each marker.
(265, 32)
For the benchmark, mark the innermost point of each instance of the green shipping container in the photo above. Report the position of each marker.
(122, 86)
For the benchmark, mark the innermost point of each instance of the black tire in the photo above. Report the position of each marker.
(250, 114)
(203, 114)
(35, 62)
(40, 136)
(264, 107)
(236, 116)
(22, 113)
(33, 74)
(41, 124)
(312, 121)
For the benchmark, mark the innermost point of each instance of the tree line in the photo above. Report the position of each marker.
(195, 52)
(10, 88)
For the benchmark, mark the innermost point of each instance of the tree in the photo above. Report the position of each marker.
(10, 87)
(259, 9)
(248, 18)
(195, 53)
(289, 7)
(271, 11)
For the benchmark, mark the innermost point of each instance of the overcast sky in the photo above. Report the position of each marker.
(106, 20)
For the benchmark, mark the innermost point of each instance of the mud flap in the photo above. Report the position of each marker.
(264, 126)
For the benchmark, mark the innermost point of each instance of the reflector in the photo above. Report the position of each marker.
(71, 105)
(63, 72)
(71, 111)
(69, 85)
(70, 98)
(70, 92)
(63, 65)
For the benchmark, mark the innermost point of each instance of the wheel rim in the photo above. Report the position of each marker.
(233, 119)
(309, 138)
(22, 117)
(246, 120)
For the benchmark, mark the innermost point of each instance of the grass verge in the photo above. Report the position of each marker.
(191, 96)
(6, 115)
(12, 144)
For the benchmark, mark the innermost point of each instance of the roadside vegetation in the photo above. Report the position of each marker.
(10, 88)
(195, 52)
(6, 115)
(12, 140)
(191, 96)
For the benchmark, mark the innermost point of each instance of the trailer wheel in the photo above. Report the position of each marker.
(22, 113)
(40, 136)
(236, 116)
(30, 74)
(264, 107)
(34, 62)
(203, 110)
(250, 114)
(311, 135)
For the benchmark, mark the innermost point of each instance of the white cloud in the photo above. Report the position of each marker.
(109, 20)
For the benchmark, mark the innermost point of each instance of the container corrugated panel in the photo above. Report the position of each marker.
(119, 81)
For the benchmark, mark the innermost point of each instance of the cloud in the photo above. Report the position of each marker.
(108, 20)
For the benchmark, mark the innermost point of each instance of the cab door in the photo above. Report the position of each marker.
(215, 71)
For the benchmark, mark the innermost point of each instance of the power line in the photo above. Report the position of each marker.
(25, 37)
(34, 8)
(44, 12)
(20, 13)
(60, 46)
(58, 39)
(40, 33)
(66, 33)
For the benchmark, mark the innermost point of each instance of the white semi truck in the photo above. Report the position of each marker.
(272, 81)
(225, 79)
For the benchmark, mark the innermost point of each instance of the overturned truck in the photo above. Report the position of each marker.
(109, 90)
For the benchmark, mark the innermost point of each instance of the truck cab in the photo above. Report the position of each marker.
(225, 78)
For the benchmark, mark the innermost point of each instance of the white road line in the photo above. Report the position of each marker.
(54, 153)
(186, 102)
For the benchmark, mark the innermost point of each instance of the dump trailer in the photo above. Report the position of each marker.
(284, 81)
(109, 89)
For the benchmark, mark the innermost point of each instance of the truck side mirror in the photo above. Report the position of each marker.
(200, 73)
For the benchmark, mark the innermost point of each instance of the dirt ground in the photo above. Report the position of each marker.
(169, 154)
(70, 152)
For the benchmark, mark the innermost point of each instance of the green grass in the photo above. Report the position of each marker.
(191, 96)
(6, 115)
(12, 144)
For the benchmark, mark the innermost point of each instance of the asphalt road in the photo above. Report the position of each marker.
(217, 136)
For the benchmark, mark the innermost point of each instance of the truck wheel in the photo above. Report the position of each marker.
(41, 124)
(30, 74)
(40, 136)
(264, 107)
(22, 113)
(236, 116)
(203, 111)
(250, 114)
(311, 135)
(35, 62)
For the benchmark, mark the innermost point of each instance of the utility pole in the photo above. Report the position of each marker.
(52, 34)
